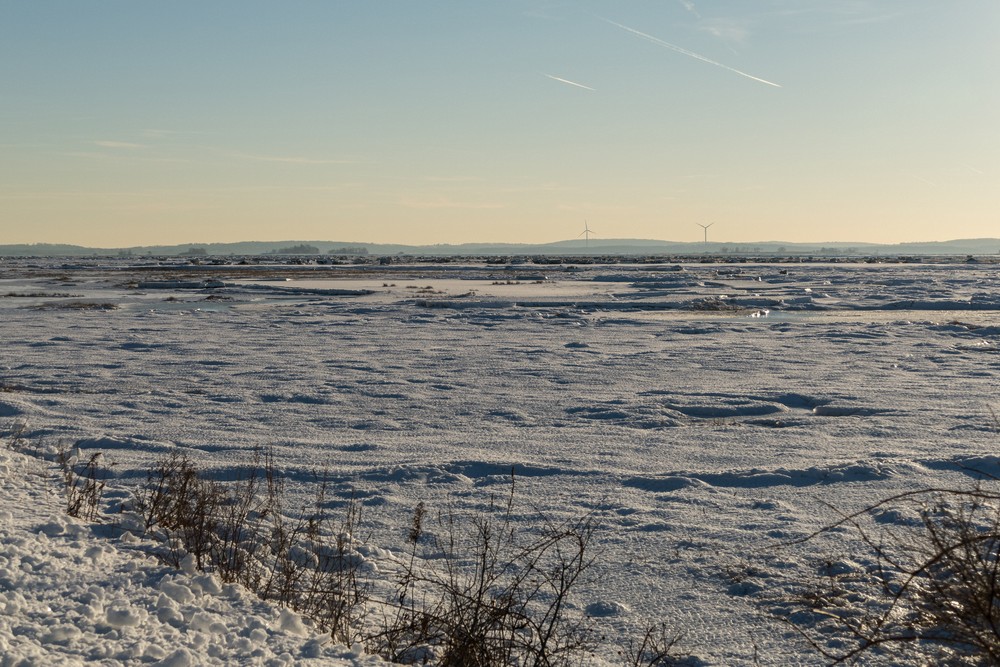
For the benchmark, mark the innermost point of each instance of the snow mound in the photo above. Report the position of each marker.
(760, 478)
(70, 597)
(981, 467)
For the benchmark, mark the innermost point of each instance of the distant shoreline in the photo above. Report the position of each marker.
(606, 247)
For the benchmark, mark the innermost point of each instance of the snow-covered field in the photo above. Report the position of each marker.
(709, 414)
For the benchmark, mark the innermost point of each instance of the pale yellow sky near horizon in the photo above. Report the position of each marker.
(128, 124)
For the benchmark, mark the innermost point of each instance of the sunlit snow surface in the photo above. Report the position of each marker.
(708, 413)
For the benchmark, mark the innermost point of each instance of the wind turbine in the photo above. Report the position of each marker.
(586, 233)
(705, 227)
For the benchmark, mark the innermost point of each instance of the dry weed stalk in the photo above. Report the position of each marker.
(493, 594)
(933, 592)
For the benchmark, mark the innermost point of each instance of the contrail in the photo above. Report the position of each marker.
(567, 81)
(674, 47)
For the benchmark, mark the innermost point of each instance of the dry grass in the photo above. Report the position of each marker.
(932, 593)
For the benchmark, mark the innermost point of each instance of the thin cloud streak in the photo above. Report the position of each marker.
(118, 144)
(130, 157)
(7, 193)
(287, 160)
(160, 133)
(689, 6)
(48, 195)
(447, 203)
(728, 30)
(824, 14)
(691, 54)
(452, 179)
(568, 82)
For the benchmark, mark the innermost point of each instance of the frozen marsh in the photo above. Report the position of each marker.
(708, 415)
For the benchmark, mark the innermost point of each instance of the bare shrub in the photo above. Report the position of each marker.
(657, 648)
(332, 591)
(15, 435)
(80, 480)
(476, 590)
(188, 507)
(315, 569)
(242, 531)
(932, 591)
(488, 592)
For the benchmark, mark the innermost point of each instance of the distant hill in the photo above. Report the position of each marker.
(988, 246)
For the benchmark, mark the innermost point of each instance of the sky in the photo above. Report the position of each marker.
(127, 123)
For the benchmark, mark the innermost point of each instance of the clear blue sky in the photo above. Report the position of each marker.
(127, 122)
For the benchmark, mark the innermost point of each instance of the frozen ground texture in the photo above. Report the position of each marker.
(709, 414)
(72, 595)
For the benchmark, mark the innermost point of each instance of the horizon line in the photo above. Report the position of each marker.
(569, 241)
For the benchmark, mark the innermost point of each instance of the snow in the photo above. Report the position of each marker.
(710, 416)
(70, 593)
